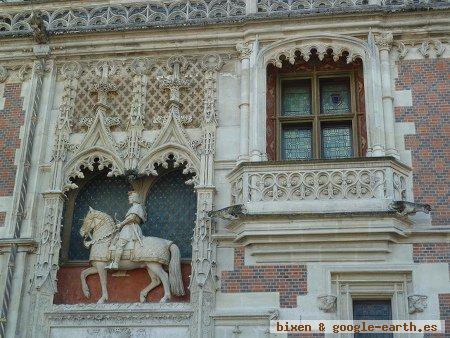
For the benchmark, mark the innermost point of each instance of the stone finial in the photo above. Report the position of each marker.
(327, 303)
(417, 303)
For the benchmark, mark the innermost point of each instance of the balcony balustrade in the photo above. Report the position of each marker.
(321, 186)
(15, 15)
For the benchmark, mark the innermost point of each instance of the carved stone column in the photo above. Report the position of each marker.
(48, 234)
(384, 43)
(375, 118)
(244, 50)
(203, 284)
(16, 259)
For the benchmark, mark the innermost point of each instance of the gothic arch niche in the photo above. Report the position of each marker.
(171, 207)
(167, 219)
(96, 190)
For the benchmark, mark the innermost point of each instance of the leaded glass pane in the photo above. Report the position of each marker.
(296, 98)
(297, 143)
(335, 97)
(102, 193)
(171, 206)
(337, 142)
(372, 310)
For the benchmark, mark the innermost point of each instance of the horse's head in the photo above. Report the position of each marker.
(93, 220)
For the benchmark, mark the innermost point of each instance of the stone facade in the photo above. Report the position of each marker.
(134, 90)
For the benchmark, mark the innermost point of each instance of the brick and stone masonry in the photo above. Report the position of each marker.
(430, 146)
(289, 280)
(11, 119)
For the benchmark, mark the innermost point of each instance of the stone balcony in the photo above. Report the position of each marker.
(320, 210)
(77, 16)
(320, 186)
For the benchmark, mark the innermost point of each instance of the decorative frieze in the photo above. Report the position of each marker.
(430, 48)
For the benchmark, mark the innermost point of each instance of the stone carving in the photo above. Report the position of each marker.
(139, 252)
(305, 50)
(417, 303)
(404, 208)
(203, 283)
(244, 49)
(135, 124)
(122, 16)
(427, 48)
(334, 184)
(384, 40)
(99, 149)
(272, 6)
(38, 28)
(3, 74)
(327, 303)
(273, 183)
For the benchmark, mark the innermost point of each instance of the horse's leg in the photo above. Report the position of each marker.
(159, 271)
(155, 281)
(87, 272)
(103, 274)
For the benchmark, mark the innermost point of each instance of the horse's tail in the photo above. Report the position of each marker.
(176, 282)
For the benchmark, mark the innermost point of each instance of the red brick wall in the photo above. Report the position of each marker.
(444, 309)
(124, 289)
(431, 252)
(11, 119)
(288, 280)
(429, 82)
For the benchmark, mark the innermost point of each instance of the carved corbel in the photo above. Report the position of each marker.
(404, 208)
(327, 303)
(417, 303)
(244, 49)
(384, 41)
(402, 50)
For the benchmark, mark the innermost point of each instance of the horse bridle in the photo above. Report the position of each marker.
(97, 240)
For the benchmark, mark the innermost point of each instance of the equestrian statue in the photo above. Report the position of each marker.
(123, 246)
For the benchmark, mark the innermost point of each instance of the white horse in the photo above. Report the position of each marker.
(152, 254)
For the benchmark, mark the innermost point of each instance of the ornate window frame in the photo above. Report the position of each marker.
(288, 49)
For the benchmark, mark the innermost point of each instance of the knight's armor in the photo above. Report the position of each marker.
(130, 231)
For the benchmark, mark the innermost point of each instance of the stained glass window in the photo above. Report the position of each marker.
(372, 310)
(102, 193)
(297, 143)
(296, 98)
(335, 96)
(337, 141)
(171, 207)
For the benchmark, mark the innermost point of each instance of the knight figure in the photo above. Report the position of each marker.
(130, 230)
